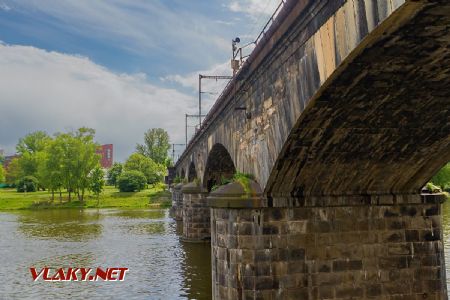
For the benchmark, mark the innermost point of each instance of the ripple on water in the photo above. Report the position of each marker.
(145, 241)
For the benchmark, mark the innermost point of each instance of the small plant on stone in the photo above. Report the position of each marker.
(244, 179)
(177, 179)
(196, 181)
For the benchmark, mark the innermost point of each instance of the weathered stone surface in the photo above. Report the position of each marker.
(349, 118)
(358, 262)
(237, 194)
(351, 97)
(177, 202)
(196, 214)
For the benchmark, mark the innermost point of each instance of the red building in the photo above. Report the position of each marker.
(106, 152)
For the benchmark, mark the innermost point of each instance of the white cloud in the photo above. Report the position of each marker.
(210, 87)
(254, 8)
(139, 27)
(4, 6)
(191, 80)
(258, 13)
(55, 92)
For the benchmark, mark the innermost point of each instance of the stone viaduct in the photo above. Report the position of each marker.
(341, 114)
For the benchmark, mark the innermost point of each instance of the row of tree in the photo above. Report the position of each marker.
(66, 161)
(147, 165)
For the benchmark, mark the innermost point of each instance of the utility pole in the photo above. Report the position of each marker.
(199, 100)
(200, 77)
(173, 151)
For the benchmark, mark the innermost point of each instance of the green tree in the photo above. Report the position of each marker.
(156, 144)
(85, 159)
(67, 166)
(33, 142)
(30, 149)
(2, 174)
(50, 169)
(114, 173)
(27, 184)
(13, 173)
(151, 170)
(442, 178)
(131, 181)
(168, 162)
(97, 182)
(78, 159)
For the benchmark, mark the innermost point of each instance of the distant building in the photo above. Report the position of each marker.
(106, 152)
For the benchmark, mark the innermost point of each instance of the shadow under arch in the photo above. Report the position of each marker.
(219, 166)
(192, 172)
(183, 174)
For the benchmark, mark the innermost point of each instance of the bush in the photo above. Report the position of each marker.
(131, 181)
(27, 184)
(431, 188)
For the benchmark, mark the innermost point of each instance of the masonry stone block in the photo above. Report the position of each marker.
(177, 202)
(325, 261)
(196, 214)
(348, 121)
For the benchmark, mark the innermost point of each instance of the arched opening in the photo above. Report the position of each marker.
(219, 167)
(192, 174)
(182, 174)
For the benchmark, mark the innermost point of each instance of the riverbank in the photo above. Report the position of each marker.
(155, 197)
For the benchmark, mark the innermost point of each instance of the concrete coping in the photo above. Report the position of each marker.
(192, 188)
(178, 186)
(433, 198)
(237, 195)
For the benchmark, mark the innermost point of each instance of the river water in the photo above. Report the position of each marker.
(145, 241)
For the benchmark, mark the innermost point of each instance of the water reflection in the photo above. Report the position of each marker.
(138, 214)
(66, 261)
(64, 225)
(145, 241)
(145, 228)
(197, 270)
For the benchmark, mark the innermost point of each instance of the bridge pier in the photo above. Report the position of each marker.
(177, 202)
(196, 214)
(336, 247)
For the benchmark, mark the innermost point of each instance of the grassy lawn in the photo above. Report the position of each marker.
(155, 197)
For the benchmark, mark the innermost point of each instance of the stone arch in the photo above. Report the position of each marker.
(219, 165)
(192, 172)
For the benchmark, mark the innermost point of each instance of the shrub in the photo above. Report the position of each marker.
(131, 181)
(27, 184)
(242, 178)
(431, 188)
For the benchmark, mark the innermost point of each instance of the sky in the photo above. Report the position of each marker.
(118, 66)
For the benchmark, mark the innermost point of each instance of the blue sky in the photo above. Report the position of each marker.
(119, 66)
